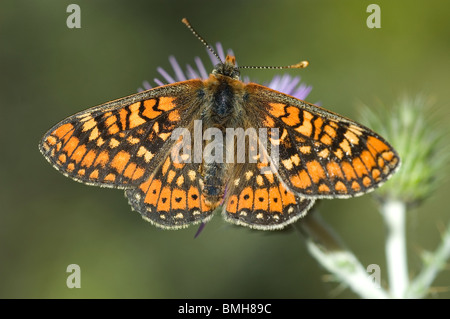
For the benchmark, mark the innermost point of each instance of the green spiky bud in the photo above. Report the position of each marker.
(411, 126)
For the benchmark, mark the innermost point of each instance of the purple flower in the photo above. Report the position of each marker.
(283, 83)
(290, 85)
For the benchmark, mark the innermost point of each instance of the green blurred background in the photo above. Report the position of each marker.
(49, 72)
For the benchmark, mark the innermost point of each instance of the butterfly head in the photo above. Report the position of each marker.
(227, 68)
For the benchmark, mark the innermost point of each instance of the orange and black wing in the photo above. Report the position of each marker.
(258, 199)
(171, 197)
(127, 144)
(120, 143)
(322, 154)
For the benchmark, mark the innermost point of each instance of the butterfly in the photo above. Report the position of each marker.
(307, 153)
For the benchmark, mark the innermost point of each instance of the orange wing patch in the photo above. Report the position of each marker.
(262, 202)
(169, 198)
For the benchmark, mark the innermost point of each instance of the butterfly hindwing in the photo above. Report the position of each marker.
(259, 200)
(172, 197)
(322, 154)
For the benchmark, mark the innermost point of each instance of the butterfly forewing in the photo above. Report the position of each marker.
(118, 144)
(322, 154)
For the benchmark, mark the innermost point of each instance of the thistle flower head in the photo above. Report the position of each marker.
(411, 127)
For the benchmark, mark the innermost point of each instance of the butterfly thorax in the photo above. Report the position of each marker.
(226, 93)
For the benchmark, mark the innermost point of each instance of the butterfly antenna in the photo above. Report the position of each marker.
(300, 65)
(186, 22)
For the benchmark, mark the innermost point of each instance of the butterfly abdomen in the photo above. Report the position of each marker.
(213, 183)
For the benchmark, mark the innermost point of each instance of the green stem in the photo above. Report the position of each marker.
(393, 212)
(327, 248)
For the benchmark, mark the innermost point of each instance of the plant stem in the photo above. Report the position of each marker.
(328, 249)
(393, 212)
